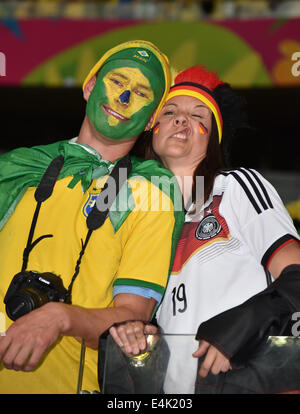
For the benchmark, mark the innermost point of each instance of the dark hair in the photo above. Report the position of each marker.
(211, 165)
(208, 168)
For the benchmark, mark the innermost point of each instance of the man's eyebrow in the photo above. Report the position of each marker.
(168, 104)
(119, 74)
(140, 85)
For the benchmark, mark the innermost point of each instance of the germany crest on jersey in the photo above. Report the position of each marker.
(208, 228)
(201, 238)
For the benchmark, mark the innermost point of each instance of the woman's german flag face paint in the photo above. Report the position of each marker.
(203, 130)
(156, 128)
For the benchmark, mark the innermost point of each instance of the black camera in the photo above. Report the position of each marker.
(29, 290)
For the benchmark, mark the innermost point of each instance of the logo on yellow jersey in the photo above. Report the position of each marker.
(90, 203)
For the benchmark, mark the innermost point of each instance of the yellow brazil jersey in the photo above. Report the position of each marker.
(136, 255)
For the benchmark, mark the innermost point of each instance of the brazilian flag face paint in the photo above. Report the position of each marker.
(123, 99)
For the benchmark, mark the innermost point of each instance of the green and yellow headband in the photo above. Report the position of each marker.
(146, 53)
(200, 92)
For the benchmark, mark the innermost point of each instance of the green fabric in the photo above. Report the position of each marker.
(24, 167)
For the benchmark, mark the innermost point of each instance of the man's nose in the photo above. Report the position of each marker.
(124, 97)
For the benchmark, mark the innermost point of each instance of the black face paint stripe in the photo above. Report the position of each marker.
(204, 127)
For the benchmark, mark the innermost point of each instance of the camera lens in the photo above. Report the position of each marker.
(24, 301)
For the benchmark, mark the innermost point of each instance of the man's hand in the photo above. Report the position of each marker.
(30, 336)
(214, 361)
(131, 336)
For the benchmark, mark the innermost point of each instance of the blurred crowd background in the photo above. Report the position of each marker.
(48, 46)
(150, 9)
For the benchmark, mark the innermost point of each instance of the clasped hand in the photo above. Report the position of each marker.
(130, 336)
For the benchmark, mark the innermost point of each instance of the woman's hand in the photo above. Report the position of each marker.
(214, 361)
(131, 336)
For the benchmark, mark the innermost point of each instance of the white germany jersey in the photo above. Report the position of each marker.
(220, 262)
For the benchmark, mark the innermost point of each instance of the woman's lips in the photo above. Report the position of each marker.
(107, 109)
(182, 134)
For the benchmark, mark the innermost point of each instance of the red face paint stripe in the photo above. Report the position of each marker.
(156, 128)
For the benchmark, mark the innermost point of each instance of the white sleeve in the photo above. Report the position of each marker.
(259, 214)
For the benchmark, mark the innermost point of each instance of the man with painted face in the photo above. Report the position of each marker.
(123, 95)
(110, 270)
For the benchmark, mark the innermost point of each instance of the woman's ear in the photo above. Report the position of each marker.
(89, 87)
(148, 126)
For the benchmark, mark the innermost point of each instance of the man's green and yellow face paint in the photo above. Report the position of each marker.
(123, 99)
(128, 91)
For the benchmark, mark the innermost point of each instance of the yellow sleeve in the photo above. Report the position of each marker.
(147, 252)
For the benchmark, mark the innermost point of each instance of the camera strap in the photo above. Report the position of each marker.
(98, 215)
(96, 219)
(43, 191)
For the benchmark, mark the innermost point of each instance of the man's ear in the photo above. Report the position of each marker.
(89, 87)
(148, 126)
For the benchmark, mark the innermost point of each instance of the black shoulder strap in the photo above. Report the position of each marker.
(46, 185)
(43, 191)
(97, 217)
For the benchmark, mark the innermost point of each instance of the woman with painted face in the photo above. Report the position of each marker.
(237, 235)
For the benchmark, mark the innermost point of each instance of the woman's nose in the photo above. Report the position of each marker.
(180, 119)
